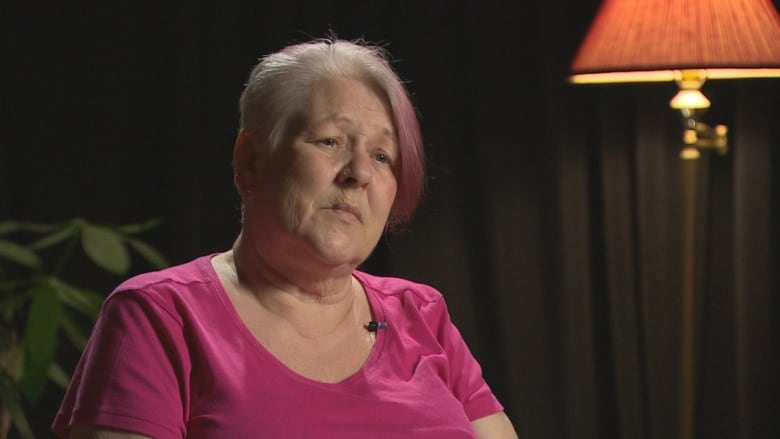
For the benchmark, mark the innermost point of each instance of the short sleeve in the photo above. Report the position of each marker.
(133, 374)
(465, 380)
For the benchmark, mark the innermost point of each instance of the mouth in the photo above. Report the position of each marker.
(348, 211)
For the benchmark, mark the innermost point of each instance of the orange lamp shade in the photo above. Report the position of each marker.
(653, 40)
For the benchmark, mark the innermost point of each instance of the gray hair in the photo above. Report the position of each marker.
(279, 85)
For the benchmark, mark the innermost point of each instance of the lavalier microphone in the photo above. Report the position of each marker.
(374, 326)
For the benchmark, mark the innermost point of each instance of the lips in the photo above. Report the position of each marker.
(349, 209)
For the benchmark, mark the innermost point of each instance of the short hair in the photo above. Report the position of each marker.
(281, 82)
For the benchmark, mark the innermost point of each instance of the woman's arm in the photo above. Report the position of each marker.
(495, 426)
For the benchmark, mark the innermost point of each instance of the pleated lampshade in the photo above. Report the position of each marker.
(653, 40)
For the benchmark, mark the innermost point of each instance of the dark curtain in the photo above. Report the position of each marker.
(552, 222)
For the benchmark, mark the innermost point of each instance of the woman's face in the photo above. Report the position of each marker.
(327, 190)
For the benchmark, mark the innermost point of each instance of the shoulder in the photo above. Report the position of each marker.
(195, 271)
(405, 289)
(173, 291)
(397, 296)
(179, 279)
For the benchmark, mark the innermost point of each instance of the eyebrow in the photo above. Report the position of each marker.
(339, 120)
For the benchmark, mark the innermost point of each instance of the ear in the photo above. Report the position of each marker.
(244, 173)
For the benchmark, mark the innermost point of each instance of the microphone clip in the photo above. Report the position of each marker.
(374, 326)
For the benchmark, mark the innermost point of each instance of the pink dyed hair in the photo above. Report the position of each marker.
(279, 84)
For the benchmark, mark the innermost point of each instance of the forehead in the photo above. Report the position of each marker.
(349, 101)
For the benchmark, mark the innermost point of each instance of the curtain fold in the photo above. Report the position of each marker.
(618, 220)
(580, 339)
(756, 375)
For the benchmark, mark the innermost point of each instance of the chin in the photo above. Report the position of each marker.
(336, 259)
(341, 251)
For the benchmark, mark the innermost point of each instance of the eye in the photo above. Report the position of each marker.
(329, 142)
(383, 158)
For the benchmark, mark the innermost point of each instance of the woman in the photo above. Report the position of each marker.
(282, 336)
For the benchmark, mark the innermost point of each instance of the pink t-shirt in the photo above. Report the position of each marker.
(170, 358)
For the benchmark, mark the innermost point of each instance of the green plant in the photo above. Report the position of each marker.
(39, 306)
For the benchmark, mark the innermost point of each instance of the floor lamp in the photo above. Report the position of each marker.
(688, 42)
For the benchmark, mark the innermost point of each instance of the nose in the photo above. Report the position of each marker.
(357, 171)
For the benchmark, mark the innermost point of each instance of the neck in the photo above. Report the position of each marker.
(306, 279)
(300, 297)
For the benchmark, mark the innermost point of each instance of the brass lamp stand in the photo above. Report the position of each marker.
(686, 41)
(696, 136)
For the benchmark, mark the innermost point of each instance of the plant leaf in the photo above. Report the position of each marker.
(152, 256)
(12, 303)
(11, 355)
(7, 227)
(105, 248)
(21, 255)
(73, 332)
(54, 238)
(10, 401)
(138, 228)
(40, 338)
(7, 286)
(83, 300)
(57, 374)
